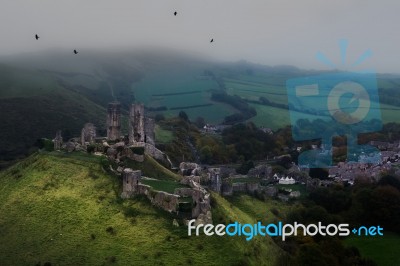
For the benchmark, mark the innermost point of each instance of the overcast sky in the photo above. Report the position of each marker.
(261, 31)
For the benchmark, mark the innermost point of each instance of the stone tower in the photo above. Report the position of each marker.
(58, 141)
(88, 133)
(141, 128)
(136, 124)
(113, 120)
(130, 182)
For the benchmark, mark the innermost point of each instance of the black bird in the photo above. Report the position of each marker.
(175, 13)
(75, 52)
(37, 37)
(212, 40)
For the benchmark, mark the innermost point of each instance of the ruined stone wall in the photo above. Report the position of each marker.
(166, 201)
(239, 187)
(88, 134)
(113, 121)
(156, 154)
(226, 189)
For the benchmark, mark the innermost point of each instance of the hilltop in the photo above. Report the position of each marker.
(65, 209)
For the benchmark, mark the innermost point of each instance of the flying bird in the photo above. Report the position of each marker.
(36, 37)
(175, 13)
(212, 40)
(75, 52)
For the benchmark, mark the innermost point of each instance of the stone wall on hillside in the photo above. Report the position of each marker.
(157, 154)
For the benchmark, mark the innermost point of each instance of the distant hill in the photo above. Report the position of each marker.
(43, 92)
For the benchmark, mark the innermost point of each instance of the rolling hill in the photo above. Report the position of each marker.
(65, 210)
(44, 92)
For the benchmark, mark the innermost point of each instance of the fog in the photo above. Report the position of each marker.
(268, 32)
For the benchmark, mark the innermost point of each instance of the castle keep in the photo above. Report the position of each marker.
(141, 128)
(113, 121)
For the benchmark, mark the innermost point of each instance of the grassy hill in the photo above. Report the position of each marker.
(33, 105)
(66, 210)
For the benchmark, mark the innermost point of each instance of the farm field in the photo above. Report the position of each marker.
(274, 89)
(183, 91)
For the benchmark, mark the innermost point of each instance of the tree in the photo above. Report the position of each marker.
(182, 115)
(245, 167)
(200, 122)
(206, 154)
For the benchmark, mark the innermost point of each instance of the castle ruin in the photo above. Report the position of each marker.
(114, 121)
(141, 128)
(58, 141)
(88, 134)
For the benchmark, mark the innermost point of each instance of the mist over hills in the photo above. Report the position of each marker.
(50, 90)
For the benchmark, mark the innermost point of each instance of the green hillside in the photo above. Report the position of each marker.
(33, 105)
(66, 210)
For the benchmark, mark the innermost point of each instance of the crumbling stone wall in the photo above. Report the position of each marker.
(157, 154)
(188, 168)
(201, 201)
(131, 186)
(88, 134)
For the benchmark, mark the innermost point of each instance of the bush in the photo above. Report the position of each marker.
(45, 144)
(111, 259)
(110, 230)
(90, 148)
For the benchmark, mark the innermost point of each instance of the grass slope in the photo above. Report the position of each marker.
(67, 211)
(33, 105)
(151, 168)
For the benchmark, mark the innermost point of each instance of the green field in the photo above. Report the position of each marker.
(274, 117)
(384, 250)
(181, 90)
(68, 212)
(274, 89)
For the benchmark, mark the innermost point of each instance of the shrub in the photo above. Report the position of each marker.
(90, 148)
(111, 259)
(130, 212)
(110, 230)
(158, 254)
